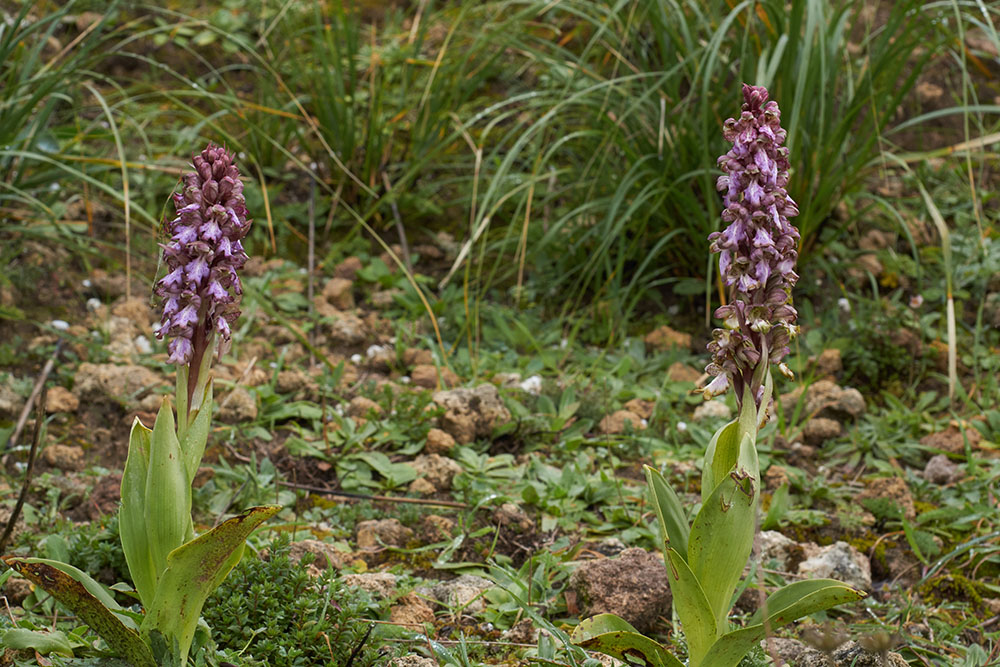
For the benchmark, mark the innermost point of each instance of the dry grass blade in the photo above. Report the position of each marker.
(942, 228)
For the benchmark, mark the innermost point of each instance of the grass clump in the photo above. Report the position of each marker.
(272, 612)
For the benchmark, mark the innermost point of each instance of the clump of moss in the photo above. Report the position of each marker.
(951, 588)
(272, 612)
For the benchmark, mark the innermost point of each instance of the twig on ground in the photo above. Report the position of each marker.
(35, 440)
(366, 496)
(39, 383)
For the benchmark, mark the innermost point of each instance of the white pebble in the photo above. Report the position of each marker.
(93, 304)
(682, 427)
(532, 385)
(844, 304)
(142, 345)
(87, 282)
(405, 379)
(59, 325)
(355, 358)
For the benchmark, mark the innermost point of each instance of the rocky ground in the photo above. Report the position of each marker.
(451, 492)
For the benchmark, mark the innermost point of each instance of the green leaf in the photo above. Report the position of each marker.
(692, 606)
(783, 606)
(85, 580)
(132, 514)
(78, 599)
(614, 636)
(193, 571)
(722, 533)
(777, 509)
(720, 457)
(54, 641)
(167, 509)
(673, 520)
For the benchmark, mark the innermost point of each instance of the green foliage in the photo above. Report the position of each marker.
(273, 613)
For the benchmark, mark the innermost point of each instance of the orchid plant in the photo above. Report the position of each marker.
(705, 559)
(174, 570)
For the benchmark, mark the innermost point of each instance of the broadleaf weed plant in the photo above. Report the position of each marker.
(174, 571)
(705, 559)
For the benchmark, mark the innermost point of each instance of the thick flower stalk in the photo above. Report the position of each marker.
(201, 291)
(757, 251)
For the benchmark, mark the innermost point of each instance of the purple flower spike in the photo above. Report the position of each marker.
(201, 290)
(757, 250)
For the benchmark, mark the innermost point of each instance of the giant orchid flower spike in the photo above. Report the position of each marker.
(201, 291)
(757, 251)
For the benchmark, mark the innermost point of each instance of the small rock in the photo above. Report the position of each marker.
(64, 457)
(345, 329)
(60, 399)
(825, 399)
(436, 469)
(875, 239)
(829, 362)
(426, 376)
(679, 372)
(789, 650)
(850, 655)
(775, 477)
(11, 403)
(338, 294)
(523, 632)
(952, 440)
(361, 406)
(928, 92)
(510, 515)
(372, 534)
(17, 590)
(775, 546)
(637, 406)
(464, 594)
(416, 357)
(610, 547)
(471, 413)
(380, 357)
(113, 382)
(712, 410)
(19, 525)
(134, 310)
(422, 487)
(615, 423)
(348, 269)
(436, 528)
(411, 610)
(412, 661)
(379, 584)
(438, 442)
(325, 555)
(384, 298)
(634, 586)
(665, 338)
(865, 264)
(532, 385)
(893, 489)
(940, 470)
(820, 429)
(238, 406)
(294, 380)
(838, 561)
